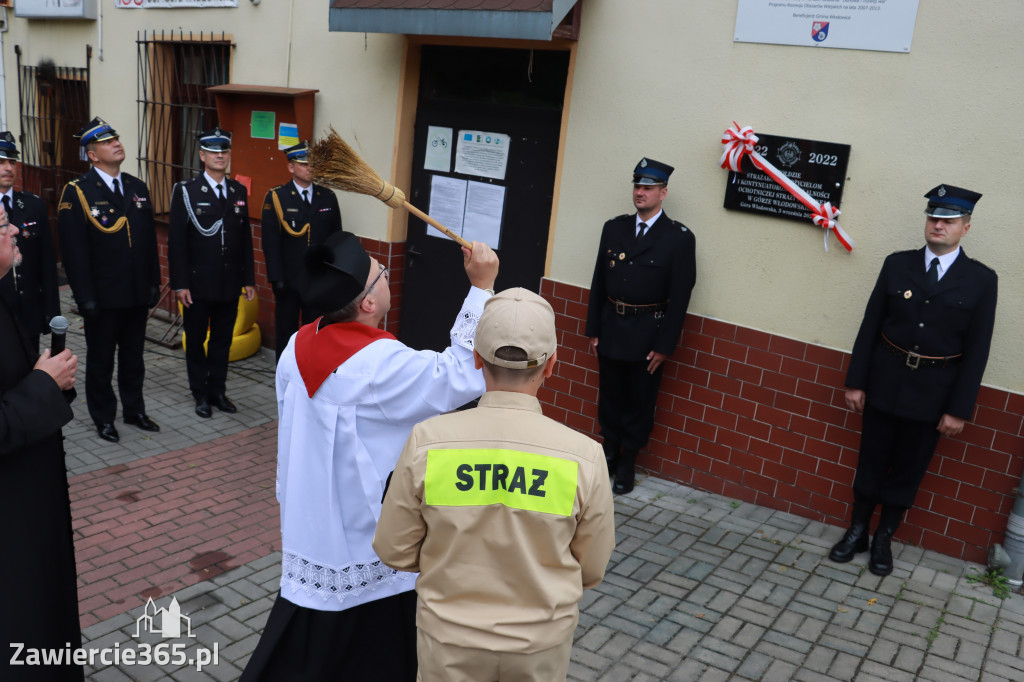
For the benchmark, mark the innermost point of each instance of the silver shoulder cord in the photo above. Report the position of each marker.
(205, 231)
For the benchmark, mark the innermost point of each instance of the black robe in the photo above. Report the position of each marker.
(37, 566)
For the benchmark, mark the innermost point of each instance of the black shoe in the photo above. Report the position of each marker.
(625, 474)
(881, 552)
(854, 541)
(108, 432)
(222, 403)
(142, 421)
(203, 408)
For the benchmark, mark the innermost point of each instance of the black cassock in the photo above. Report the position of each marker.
(39, 607)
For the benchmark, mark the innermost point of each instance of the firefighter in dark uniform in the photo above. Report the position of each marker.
(296, 216)
(645, 272)
(209, 249)
(916, 368)
(30, 288)
(108, 246)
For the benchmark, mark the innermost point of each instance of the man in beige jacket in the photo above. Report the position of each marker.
(506, 514)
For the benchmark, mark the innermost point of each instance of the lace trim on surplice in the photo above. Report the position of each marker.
(328, 582)
(465, 327)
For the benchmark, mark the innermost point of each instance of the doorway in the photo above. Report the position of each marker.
(512, 94)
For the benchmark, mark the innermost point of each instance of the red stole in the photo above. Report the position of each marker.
(319, 352)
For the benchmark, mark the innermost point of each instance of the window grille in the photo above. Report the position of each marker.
(175, 70)
(53, 105)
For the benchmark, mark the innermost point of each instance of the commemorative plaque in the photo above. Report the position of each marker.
(819, 168)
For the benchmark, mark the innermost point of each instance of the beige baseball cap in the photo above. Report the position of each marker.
(519, 318)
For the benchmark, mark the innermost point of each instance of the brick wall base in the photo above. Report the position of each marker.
(761, 418)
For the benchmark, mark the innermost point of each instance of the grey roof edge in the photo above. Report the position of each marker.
(471, 23)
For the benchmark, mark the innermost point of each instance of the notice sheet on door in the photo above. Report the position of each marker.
(472, 210)
(481, 153)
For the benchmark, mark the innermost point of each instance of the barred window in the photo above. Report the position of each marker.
(53, 105)
(175, 70)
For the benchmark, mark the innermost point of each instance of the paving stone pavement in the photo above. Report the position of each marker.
(700, 587)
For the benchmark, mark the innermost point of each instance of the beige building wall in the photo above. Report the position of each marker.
(664, 79)
(278, 42)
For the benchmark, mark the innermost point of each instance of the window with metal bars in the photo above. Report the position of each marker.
(175, 70)
(53, 105)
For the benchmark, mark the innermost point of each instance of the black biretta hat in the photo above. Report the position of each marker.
(336, 272)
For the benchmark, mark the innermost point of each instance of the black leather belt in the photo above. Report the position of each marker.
(623, 308)
(915, 361)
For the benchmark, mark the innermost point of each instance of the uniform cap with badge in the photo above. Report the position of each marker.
(947, 201)
(97, 130)
(651, 172)
(298, 153)
(521, 319)
(215, 140)
(8, 150)
(335, 273)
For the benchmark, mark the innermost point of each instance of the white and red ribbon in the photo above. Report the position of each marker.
(739, 143)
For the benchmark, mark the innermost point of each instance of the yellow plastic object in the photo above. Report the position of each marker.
(248, 311)
(246, 337)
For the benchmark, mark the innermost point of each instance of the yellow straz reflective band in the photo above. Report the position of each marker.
(520, 480)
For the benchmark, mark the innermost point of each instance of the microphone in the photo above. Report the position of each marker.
(58, 328)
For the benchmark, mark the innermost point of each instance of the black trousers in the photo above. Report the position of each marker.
(208, 370)
(627, 396)
(288, 306)
(894, 457)
(372, 641)
(123, 329)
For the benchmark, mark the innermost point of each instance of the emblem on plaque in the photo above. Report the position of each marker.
(789, 154)
(819, 31)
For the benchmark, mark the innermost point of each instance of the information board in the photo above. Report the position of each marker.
(882, 25)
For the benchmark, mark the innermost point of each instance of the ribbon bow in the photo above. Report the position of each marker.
(739, 142)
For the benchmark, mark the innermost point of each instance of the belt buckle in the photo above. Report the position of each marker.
(620, 308)
(916, 360)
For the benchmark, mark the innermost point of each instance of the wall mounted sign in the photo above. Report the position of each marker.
(810, 176)
(168, 4)
(882, 25)
(48, 9)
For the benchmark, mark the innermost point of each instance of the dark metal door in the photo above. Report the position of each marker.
(518, 93)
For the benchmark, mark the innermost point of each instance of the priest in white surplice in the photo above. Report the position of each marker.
(348, 395)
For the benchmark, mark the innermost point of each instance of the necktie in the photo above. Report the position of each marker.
(933, 272)
(640, 229)
(305, 196)
(117, 191)
(7, 206)
(220, 195)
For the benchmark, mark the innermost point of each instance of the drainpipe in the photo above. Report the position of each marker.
(3, 79)
(1010, 556)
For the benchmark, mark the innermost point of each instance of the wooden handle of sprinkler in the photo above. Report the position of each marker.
(426, 218)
